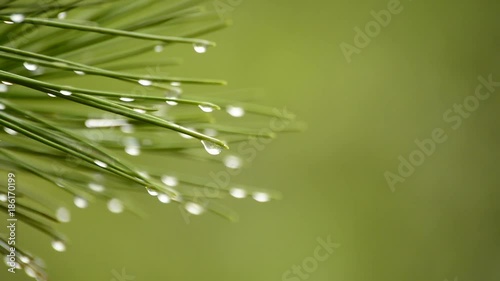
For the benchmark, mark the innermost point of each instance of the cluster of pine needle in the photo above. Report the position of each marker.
(61, 126)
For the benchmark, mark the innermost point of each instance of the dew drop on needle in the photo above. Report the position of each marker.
(200, 48)
(211, 148)
(58, 245)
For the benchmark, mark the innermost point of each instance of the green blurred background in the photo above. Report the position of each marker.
(441, 223)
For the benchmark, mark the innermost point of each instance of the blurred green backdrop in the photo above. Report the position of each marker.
(441, 223)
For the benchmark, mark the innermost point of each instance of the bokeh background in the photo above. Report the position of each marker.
(441, 223)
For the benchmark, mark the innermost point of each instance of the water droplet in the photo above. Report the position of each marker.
(65, 93)
(170, 180)
(232, 162)
(238, 192)
(30, 66)
(164, 198)
(3, 197)
(211, 148)
(2, 106)
(175, 84)
(101, 164)
(59, 245)
(7, 83)
(115, 206)
(3, 88)
(133, 150)
(235, 111)
(152, 192)
(171, 102)
(62, 15)
(194, 208)
(141, 111)
(24, 259)
(261, 197)
(206, 108)
(125, 99)
(200, 48)
(17, 18)
(10, 131)
(79, 72)
(80, 202)
(145, 82)
(8, 22)
(96, 187)
(51, 95)
(30, 271)
(63, 215)
(158, 48)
